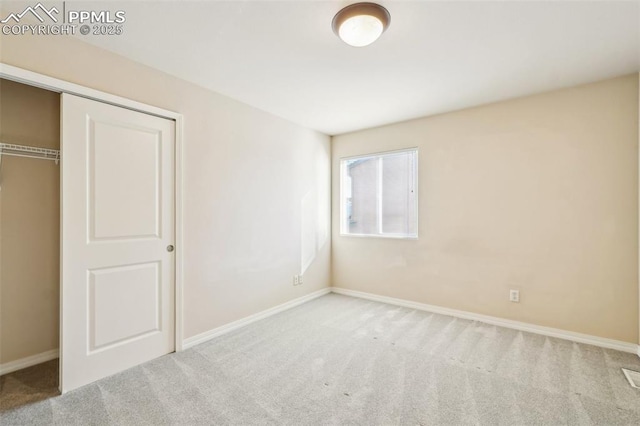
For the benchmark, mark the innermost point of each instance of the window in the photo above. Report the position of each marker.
(379, 196)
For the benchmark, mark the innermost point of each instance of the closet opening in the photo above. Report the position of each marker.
(85, 292)
(29, 243)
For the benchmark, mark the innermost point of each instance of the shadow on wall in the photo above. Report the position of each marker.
(314, 217)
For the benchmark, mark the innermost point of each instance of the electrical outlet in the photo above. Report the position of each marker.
(514, 296)
(300, 281)
(296, 280)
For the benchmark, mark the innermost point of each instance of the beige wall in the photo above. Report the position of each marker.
(29, 224)
(246, 175)
(538, 194)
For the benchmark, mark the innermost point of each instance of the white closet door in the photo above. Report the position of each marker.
(117, 298)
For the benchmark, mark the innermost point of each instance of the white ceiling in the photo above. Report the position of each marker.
(283, 57)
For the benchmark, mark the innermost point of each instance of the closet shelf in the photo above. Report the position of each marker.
(29, 152)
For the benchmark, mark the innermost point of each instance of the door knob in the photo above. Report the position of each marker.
(170, 248)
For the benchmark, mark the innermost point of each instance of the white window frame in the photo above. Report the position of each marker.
(343, 208)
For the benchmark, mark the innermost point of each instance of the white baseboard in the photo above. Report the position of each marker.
(19, 364)
(208, 335)
(501, 322)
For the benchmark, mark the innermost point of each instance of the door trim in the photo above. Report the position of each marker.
(42, 81)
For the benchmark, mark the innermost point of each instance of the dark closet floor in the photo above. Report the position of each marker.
(29, 385)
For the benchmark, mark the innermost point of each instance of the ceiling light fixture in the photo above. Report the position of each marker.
(361, 24)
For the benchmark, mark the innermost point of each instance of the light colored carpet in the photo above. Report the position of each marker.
(340, 360)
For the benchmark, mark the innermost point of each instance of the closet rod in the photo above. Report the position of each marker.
(29, 152)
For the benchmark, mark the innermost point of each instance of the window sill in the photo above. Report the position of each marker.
(386, 237)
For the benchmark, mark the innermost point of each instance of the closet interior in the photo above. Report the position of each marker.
(29, 243)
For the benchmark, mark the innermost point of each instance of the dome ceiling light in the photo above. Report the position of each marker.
(361, 24)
